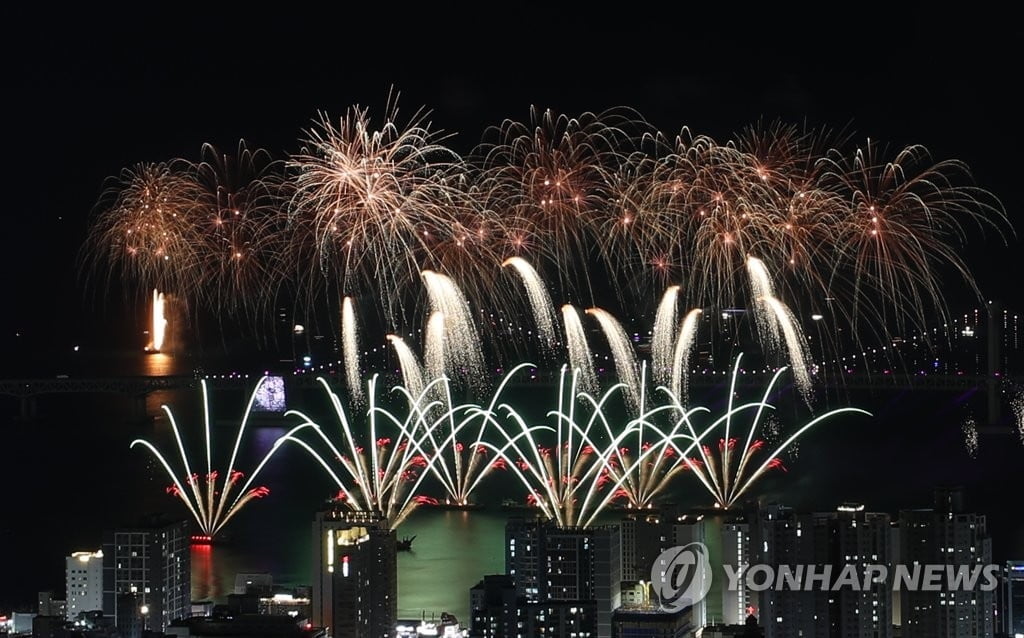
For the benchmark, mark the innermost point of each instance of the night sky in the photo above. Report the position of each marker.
(87, 94)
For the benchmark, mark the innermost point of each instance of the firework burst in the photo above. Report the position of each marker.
(148, 230)
(370, 199)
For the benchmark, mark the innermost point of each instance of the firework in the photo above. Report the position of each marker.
(663, 336)
(622, 351)
(369, 200)
(382, 472)
(242, 229)
(563, 467)
(681, 355)
(350, 349)
(158, 328)
(548, 178)
(461, 345)
(412, 371)
(148, 232)
(641, 479)
(970, 431)
(1017, 407)
(603, 200)
(738, 463)
(211, 507)
(540, 300)
(579, 349)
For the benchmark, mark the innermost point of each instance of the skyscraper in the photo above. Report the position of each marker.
(946, 535)
(567, 580)
(355, 580)
(492, 604)
(848, 539)
(1013, 598)
(147, 580)
(782, 537)
(84, 578)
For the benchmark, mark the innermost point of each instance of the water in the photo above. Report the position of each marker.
(451, 553)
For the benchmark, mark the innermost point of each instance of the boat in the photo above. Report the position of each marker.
(405, 545)
(511, 505)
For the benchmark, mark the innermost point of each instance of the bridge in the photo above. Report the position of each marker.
(979, 351)
(28, 391)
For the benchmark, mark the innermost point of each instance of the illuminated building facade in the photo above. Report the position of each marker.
(946, 535)
(355, 587)
(567, 580)
(147, 579)
(84, 579)
(1013, 599)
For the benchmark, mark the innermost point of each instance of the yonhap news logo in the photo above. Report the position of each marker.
(681, 576)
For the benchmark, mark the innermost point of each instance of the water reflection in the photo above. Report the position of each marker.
(213, 572)
(158, 364)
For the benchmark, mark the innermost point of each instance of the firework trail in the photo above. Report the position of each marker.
(622, 352)
(540, 301)
(764, 317)
(412, 372)
(350, 348)
(796, 347)
(579, 349)
(434, 349)
(462, 354)
(681, 355)
(212, 509)
(664, 336)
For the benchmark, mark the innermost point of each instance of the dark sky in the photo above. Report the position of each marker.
(88, 93)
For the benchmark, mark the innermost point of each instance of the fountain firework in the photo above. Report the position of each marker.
(730, 471)
(383, 472)
(212, 509)
(158, 329)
